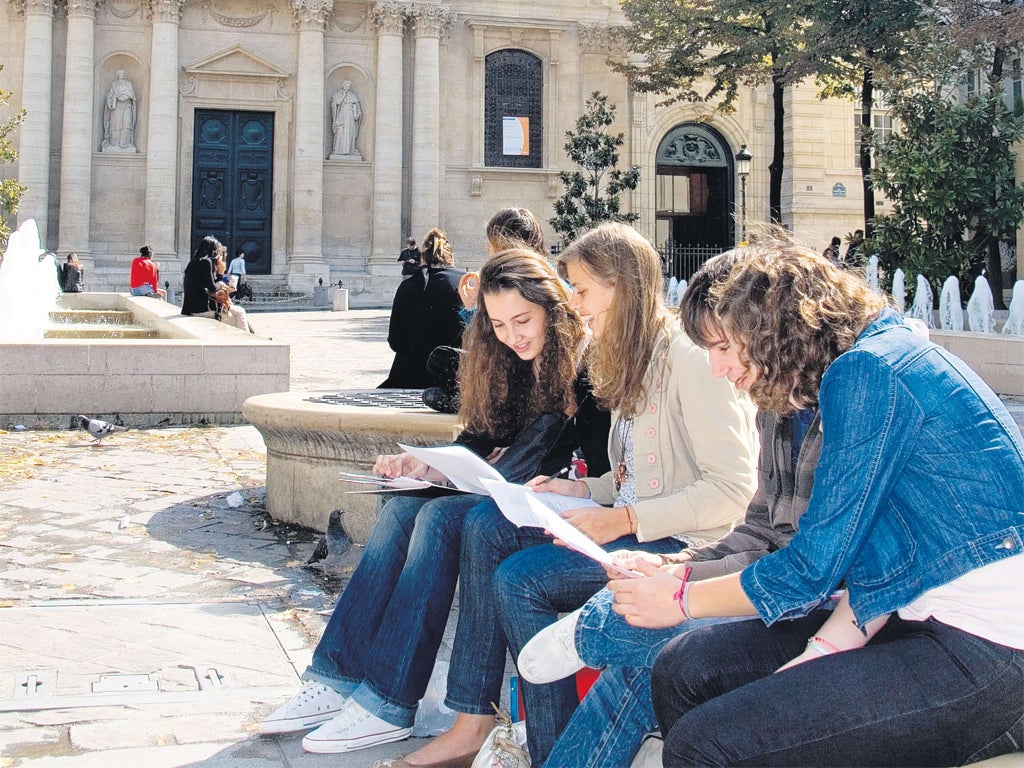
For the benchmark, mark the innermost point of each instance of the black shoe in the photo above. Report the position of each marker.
(439, 400)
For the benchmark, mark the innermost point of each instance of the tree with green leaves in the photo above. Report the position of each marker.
(10, 190)
(856, 37)
(705, 52)
(591, 195)
(949, 175)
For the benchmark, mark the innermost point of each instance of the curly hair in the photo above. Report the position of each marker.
(515, 228)
(500, 393)
(617, 255)
(793, 312)
(437, 249)
(697, 308)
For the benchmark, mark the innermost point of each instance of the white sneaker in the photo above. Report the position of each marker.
(353, 728)
(551, 653)
(313, 705)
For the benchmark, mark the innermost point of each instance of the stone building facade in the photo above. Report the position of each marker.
(318, 134)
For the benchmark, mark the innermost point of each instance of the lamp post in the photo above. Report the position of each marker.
(743, 158)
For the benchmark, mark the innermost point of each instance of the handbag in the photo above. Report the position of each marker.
(505, 746)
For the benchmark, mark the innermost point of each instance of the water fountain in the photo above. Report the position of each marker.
(1014, 324)
(980, 308)
(872, 273)
(923, 301)
(951, 315)
(899, 291)
(28, 286)
(182, 370)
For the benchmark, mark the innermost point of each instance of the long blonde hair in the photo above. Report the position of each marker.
(637, 322)
(500, 394)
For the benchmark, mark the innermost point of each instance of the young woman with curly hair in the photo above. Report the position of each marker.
(373, 663)
(683, 447)
(915, 509)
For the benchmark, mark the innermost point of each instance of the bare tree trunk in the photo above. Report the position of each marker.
(867, 98)
(779, 153)
(993, 264)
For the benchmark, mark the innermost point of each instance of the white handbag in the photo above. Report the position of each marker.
(505, 746)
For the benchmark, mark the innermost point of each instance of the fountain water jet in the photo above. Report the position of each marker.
(980, 308)
(899, 291)
(872, 274)
(951, 315)
(923, 300)
(1014, 324)
(28, 286)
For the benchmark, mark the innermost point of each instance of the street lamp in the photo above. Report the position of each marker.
(743, 158)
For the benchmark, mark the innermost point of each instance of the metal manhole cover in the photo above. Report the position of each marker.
(74, 655)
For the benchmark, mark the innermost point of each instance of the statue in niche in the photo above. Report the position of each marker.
(346, 112)
(119, 115)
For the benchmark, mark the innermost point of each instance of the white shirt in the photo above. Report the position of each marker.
(237, 266)
(986, 602)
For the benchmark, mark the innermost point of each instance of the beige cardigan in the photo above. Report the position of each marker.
(695, 449)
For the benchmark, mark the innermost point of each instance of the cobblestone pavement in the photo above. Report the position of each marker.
(144, 619)
(150, 611)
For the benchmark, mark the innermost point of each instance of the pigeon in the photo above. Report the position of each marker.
(99, 429)
(332, 547)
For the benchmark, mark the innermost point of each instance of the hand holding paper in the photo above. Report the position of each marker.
(526, 508)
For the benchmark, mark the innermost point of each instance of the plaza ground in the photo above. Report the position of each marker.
(150, 616)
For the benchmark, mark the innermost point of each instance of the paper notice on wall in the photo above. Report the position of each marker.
(515, 135)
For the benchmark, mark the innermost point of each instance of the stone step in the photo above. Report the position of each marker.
(93, 316)
(92, 331)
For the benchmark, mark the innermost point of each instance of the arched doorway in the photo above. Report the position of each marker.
(693, 197)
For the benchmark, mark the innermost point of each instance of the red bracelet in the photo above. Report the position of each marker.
(681, 597)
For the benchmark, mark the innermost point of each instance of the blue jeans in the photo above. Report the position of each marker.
(531, 588)
(611, 721)
(380, 644)
(478, 653)
(919, 693)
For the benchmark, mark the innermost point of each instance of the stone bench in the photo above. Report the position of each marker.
(311, 437)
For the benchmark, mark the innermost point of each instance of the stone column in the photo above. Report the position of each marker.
(306, 260)
(430, 22)
(34, 145)
(162, 138)
(387, 235)
(79, 129)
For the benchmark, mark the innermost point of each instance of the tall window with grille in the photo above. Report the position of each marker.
(513, 109)
(881, 123)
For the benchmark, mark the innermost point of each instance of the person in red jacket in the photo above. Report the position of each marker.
(145, 275)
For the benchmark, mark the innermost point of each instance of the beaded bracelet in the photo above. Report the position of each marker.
(682, 597)
(822, 646)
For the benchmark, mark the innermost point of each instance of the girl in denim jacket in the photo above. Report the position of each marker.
(917, 505)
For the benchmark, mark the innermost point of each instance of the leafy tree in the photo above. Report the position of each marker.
(857, 36)
(949, 174)
(705, 52)
(592, 195)
(10, 190)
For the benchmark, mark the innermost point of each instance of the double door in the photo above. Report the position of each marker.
(232, 183)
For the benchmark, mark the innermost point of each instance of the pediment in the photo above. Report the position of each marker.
(236, 61)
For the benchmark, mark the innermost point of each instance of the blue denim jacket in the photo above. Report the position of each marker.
(921, 479)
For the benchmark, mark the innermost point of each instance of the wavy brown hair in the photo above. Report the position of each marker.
(515, 228)
(793, 312)
(501, 393)
(437, 250)
(617, 255)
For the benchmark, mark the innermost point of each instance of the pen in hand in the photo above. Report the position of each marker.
(549, 478)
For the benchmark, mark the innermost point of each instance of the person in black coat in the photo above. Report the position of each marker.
(425, 314)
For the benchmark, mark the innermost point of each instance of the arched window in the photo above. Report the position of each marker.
(513, 110)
